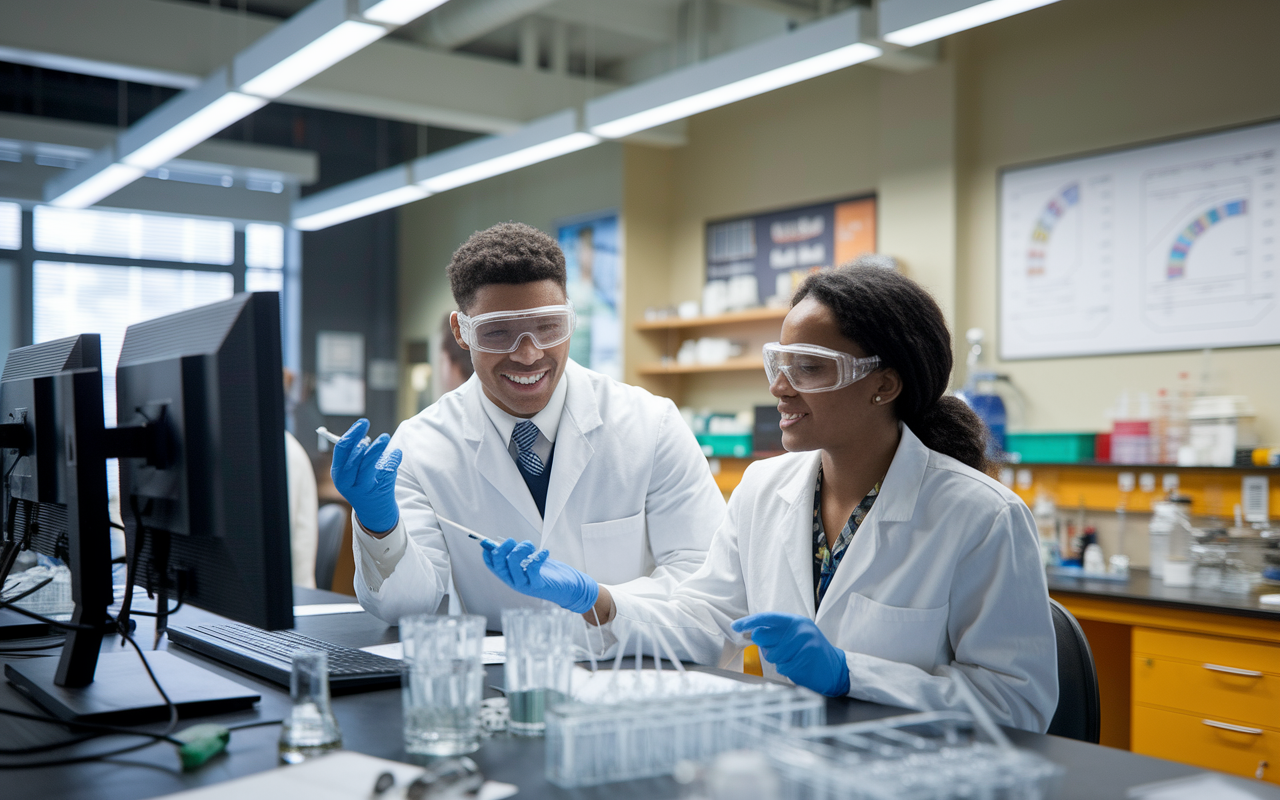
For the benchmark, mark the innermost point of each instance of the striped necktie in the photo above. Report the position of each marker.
(524, 435)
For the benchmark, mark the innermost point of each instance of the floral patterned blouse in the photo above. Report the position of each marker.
(827, 559)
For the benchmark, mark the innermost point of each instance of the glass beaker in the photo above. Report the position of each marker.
(311, 729)
(539, 666)
(443, 683)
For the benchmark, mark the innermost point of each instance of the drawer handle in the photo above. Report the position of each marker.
(1226, 726)
(1248, 673)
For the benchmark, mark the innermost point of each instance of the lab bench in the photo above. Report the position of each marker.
(371, 724)
(1187, 674)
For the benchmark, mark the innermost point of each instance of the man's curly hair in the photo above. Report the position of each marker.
(509, 252)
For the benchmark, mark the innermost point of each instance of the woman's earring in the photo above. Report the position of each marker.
(877, 398)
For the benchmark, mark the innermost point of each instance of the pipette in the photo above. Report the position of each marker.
(333, 437)
(479, 537)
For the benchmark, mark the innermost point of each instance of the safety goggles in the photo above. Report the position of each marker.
(810, 368)
(501, 331)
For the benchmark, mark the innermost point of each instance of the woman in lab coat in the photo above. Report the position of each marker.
(875, 559)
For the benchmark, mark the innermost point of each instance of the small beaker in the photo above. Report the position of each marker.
(443, 683)
(539, 666)
(311, 729)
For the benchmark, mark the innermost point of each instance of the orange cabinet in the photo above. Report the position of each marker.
(1206, 700)
(1249, 750)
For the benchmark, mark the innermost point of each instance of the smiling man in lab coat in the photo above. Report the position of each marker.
(533, 446)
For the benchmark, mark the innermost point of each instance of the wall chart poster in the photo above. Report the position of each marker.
(1169, 246)
(590, 248)
(775, 250)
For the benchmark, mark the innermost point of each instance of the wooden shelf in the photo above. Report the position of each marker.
(741, 364)
(676, 323)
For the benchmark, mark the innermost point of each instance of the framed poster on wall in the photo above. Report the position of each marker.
(591, 257)
(1167, 246)
(762, 258)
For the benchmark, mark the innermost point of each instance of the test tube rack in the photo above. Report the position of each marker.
(939, 755)
(589, 744)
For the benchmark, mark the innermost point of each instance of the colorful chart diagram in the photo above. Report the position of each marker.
(1053, 211)
(1182, 245)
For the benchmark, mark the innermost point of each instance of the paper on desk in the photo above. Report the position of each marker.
(326, 608)
(337, 776)
(494, 650)
(1196, 787)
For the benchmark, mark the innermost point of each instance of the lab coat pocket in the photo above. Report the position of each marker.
(614, 551)
(906, 635)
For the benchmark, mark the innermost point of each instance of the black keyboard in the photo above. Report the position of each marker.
(269, 655)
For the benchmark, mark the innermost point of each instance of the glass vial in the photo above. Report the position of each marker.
(311, 729)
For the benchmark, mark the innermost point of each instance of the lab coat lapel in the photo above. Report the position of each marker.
(796, 531)
(493, 460)
(896, 502)
(573, 450)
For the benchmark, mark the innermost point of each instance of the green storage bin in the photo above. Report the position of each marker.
(725, 445)
(1046, 448)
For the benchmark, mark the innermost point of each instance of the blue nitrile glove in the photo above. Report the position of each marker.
(539, 575)
(799, 650)
(366, 475)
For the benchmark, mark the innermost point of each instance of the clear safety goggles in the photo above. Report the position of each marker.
(810, 368)
(502, 331)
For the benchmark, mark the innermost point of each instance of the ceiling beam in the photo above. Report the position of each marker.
(178, 44)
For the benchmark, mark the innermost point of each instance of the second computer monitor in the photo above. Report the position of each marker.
(209, 501)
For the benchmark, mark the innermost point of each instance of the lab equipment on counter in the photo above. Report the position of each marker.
(935, 755)
(991, 395)
(1218, 426)
(1168, 516)
(1232, 561)
(443, 683)
(539, 665)
(311, 729)
(1050, 448)
(627, 724)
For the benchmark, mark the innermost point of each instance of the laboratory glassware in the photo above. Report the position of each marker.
(443, 683)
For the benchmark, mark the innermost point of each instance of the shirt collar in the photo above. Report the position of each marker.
(547, 420)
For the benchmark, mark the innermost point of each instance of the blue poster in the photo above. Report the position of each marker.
(591, 258)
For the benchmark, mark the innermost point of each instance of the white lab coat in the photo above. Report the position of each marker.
(630, 501)
(942, 576)
(304, 508)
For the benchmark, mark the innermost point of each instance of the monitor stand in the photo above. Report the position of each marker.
(122, 692)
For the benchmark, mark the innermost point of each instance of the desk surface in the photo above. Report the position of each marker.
(1142, 588)
(370, 724)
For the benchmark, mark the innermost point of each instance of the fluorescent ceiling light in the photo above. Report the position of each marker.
(359, 198)
(540, 140)
(104, 183)
(738, 90)
(399, 12)
(510, 162)
(360, 208)
(816, 49)
(956, 21)
(313, 58)
(193, 130)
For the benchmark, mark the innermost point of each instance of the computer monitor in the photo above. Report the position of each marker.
(213, 493)
(49, 394)
(200, 441)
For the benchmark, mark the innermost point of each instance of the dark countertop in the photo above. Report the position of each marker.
(371, 724)
(1142, 588)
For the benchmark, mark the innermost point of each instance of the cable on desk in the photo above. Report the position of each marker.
(259, 724)
(100, 730)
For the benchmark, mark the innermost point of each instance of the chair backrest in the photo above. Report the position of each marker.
(330, 521)
(1079, 713)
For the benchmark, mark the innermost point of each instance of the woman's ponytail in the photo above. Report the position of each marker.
(893, 317)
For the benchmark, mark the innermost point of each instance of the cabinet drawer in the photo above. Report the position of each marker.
(1188, 739)
(1256, 656)
(1219, 691)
